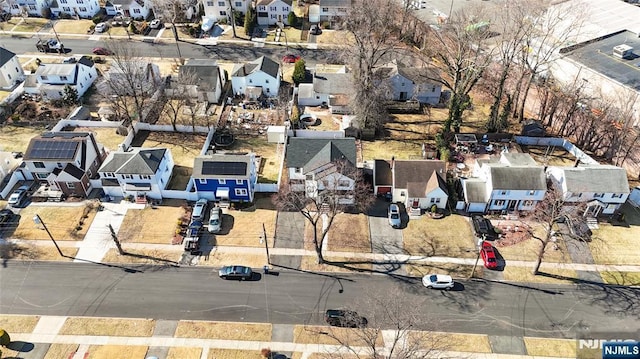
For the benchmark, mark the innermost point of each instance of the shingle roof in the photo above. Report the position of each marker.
(73, 171)
(596, 179)
(518, 178)
(414, 74)
(5, 56)
(262, 63)
(344, 3)
(206, 72)
(332, 83)
(310, 153)
(138, 161)
(383, 175)
(421, 188)
(406, 171)
(518, 159)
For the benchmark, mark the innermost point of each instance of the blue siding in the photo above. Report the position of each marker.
(212, 185)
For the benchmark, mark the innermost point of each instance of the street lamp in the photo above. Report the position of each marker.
(37, 220)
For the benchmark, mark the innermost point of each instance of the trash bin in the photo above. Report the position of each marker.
(266, 269)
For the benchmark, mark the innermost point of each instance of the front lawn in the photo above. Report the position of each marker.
(64, 223)
(617, 243)
(450, 236)
(152, 224)
(349, 233)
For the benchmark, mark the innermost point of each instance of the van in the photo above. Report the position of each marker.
(199, 210)
(215, 220)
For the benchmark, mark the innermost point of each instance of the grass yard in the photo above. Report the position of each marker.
(270, 167)
(27, 251)
(180, 178)
(345, 264)
(308, 334)
(549, 347)
(143, 256)
(184, 353)
(108, 326)
(450, 236)
(246, 227)
(234, 354)
(184, 146)
(349, 233)
(472, 343)
(527, 250)
(117, 31)
(57, 351)
(105, 136)
(452, 269)
(8, 25)
(18, 323)
(334, 37)
(223, 330)
(31, 25)
(385, 149)
(4, 94)
(621, 278)
(549, 275)
(615, 244)
(552, 156)
(219, 259)
(73, 26)
(64, 223)
(16, 138)
(151, 225)
(117, 351)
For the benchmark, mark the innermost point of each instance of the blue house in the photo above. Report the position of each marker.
(225, 177)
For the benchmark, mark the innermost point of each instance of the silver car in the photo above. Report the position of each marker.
(394, 216)
(438, 281)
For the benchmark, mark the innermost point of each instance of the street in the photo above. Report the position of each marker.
(292, 297)
(222, 51)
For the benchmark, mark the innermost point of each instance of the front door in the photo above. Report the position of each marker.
(512, 205)
(415, 203)
(403, 96)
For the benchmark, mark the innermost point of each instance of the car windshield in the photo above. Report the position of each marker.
(214, 222)
(394, 216)
(491, 260)
(433, 278)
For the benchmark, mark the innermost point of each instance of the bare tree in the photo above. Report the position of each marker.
(335, 187)
(458, 56)
(175, 11)
(181, 94)
(130, 83)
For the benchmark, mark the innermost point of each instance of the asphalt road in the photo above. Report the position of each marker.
(159, 292)
(222, 51)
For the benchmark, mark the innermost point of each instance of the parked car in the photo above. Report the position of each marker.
(101, 27)
(199, 210)
(6, 215)
(344, 318)
(438, 281)
(101, 51)
(315, 30)
(155, 24)
(18, 196)
(483, 227)
(488, 254)
(235, 272)
(394, 215)
(215, 220)
(290, 58)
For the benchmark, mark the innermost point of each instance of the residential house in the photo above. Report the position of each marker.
(30, 7)
(270, 12)
(125, 74)
(220, 10)
(512, 182)
(603, 188)
(8, 163)
(313, 165)
(65, 160)
(332, 86)
(202, 78)
(82, 8)
(11, 71)
(136, 9)
(50, 80)
(137, 172)
(226, 177)
(414, 183)
(260, 77)
(410, 83)
(333, 10)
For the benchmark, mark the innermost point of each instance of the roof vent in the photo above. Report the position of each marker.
(623, 51)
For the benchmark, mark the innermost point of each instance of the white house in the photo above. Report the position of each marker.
(514, 182)
(31, 7)
(10, 69)
(270, 12)
(82, 8)
(333, 10)
(414, 183)
(603, 187)
(258, 77)
(220, 10)
(332, 86)
(51, 79)
(136, 9)
(311, 165)
(137, 172)
(410, 83)
(204, 78)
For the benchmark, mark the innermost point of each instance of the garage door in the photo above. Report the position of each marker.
(476, 207)
(383, 189)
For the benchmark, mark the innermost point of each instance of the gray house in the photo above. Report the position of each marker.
(331, 86)
(410, 83)
(201, 78)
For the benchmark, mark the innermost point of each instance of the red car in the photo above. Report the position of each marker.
(101, 51)
(488, 255)
(290, 59)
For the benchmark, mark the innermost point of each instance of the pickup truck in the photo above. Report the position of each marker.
(51, 45)
(192, 239)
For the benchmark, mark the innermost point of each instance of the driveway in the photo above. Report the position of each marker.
(384, 238)
(289, 234)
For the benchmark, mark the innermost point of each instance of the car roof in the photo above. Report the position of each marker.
(441, 277)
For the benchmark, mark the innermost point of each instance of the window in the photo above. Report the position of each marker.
(273, 8)
(241, 191)
(325, 9)
(239, 181)
(435, 200)
(42, 175)
(221, 3)
(39, 164)
(15, 6)
(238, 4)
(402, 194)
(532, 193)
(499, 202)
(598, 195)
(297, 170)
(17, 70)
(127, 176)
(250, 81)
(59, 165)
(433, 89)
(9, 75)
(67, 9)
(268, 90)
(109, 174)
(83, 9)
(309, 177)
(527, 203)
(209, 3)
(80, 1)
(222, 181)
(223, 13)
(343, 183)
(616, 195)
(202, 180)
(503, 193)
(71, 185)
(145, 177)
(63, 1)
(136, 11)
(266, 81)
(44, 78)
(63, 78)
(32, 7)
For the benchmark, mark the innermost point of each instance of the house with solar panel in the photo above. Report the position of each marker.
(223, 177)
(260, 77)
(66, 161)
(139, 172)
(313, 163)
(50, 80)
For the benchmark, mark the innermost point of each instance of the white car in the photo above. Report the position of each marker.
(215, 220)
(18, 195)
(101, 27)
(155, 24)
(394, 216)
(438, 281)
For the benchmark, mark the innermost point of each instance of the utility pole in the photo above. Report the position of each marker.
(116, 240)
(38, 220)
(266, 243)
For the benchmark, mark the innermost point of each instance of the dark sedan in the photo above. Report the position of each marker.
(235, 272)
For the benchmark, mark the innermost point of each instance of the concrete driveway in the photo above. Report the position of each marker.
(384, 238)
(289, 234)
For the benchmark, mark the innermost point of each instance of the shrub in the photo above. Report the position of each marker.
(97, 19)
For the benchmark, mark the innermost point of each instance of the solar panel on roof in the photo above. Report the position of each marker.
(55, 150)
(224, 168)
